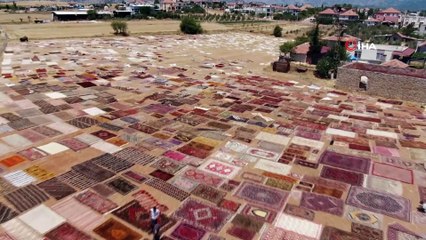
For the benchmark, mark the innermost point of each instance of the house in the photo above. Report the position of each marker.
(168, 5)
(381, 53)
(300, 52)
(75, 15)
(371, 22)
(330, 13)
(342, 40)
(413, 18)
(403, 39)
(292, 9)
(422, 29)
(384, 81)
(421, 48)
(404, 55)
(390, 16)
(348, 16)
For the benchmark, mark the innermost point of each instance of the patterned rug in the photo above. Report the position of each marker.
(275, 233)
(348, 177)
(95, 202)
(121, 185)
(167, 188)
(32, 154)
(56, 188)
(209, 193)
(366, 232)
(148, 201)
(393, 172)
(300, 226)
(26, 197)
(322, 203)
(352, 163)
(202, 215)
(331, 233)
(139, 216)
(67, 232)
(364, 217)
(77, 180)
(134, 176)
(187, 232)
(229, 205)
(241, 233)
(183, 183)
(74, 144)
(111, 162)
(299, 212)
(135, 156)
(103, 190)
(259, 213)
(162, 175)
(6, 213)
(114, 230)
(92, 171)
(220, 169)
(167, 165)
(202, 177)
(12, 161)
(387, 204)
(399, 232)
(278, 183)
(252, 177)
(266, 197)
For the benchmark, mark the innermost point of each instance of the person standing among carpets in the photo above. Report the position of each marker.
(156, 231)
(155, 214)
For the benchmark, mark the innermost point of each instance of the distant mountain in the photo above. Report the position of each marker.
(400, 4)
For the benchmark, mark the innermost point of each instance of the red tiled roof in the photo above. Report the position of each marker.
(345, 38)
(349, 13)
(390, 10)
(406, 53)
(292, 7)
(395, 63)
(328, 11)
(382, 18)
(301, 49)
(418, 73)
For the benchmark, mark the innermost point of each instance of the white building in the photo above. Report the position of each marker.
(380, 53)
(415, 18)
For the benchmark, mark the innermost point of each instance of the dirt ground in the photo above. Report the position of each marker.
(15, 18)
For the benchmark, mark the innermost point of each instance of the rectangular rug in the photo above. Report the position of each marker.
(202, 215)
(188, 232)
(202, 177)
(26, 197)
(79, 215)
(161, 175)
(332, 233)
(111, 162)
(379, 202)
(134, 176)
(121, 185)
(322, 203)
(114, 230)
(263, 196)
(103, 190)
(167, 165)
(393, 172)
(167, 188)
(148, 201)
(299, 212)
(278, 183)
(77, 180)
(259, 213)
(68, 232)
(348, 162)
(74, 144)
(135, 156)
(300, 226)
(56, 188)
(220, 169)
(208, 193)
(367, 232)
(275, 233)
(332, 192)
(92, 171)
(6, 213)
(337, 174)
(96, 201)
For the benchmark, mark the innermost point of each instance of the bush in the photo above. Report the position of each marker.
(324, 66)
(287, 47)
(119, 27)
(278, 31)
(189, 25)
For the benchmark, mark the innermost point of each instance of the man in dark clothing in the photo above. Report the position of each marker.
(156, 231)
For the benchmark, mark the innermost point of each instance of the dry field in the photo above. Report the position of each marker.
(11, 18)
(95, 29)
(37, 3)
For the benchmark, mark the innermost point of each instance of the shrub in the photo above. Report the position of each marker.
(278, 31)
(189, 25)
(287, 47)
(119, 27)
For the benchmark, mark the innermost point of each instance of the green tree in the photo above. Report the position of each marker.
(92, 14)
(189, 25)
(119, 27)
(278, 31)
(287, 47)
(314, 44)
(408, 30)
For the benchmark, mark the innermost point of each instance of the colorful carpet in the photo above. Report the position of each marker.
(114, 230)
(139, 216)
(92, 171)
(56, 188)
(167, 188)
(229, 205)
(252, 177)
(319, 189)
(67, 232)
(281, 184)
(6, 213)
(366, 232)
(202, 177)
(26, 197)
(167, 165)
(77, 180)
(241, 233)
(275, 233)
(95, 201)
(331, 233)
(187, 232)
(111, 162)
(399, 232)
(352, 163)
(148, 201)
(134, 176)
(387, 204)
(299, 212)
(201, 215)
(121, 185)
(220, 169)
(103, 190)
(393, 172)
(267, 197)
(300, 226)
(353, 178)
(322, 203)
(135, 155)
(259, 213)
(209, 193)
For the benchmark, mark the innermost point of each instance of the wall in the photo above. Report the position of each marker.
(383, 85)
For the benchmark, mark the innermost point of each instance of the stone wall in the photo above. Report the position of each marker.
(383, 85)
